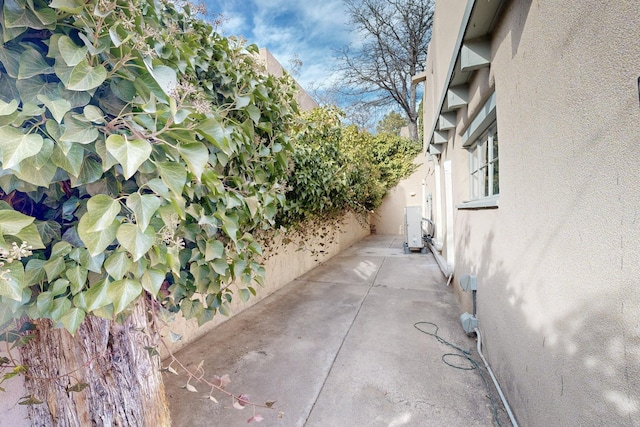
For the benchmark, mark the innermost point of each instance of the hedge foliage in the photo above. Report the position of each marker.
(140, 150)
(341, 168)
(141, 153)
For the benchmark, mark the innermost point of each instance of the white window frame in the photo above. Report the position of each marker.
(479, 136)
(482, 161)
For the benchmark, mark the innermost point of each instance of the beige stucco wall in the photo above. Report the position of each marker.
(283, 263)
(12, 414)
(557, 262)
(305, 102)
(389, 217)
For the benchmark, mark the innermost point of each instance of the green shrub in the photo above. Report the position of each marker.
(339, 168)
(139, 150)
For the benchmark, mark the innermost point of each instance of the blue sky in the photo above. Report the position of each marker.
(309, 29)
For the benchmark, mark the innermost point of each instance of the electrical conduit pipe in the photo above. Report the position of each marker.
(495, 381)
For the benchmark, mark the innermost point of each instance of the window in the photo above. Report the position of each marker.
(483, 165)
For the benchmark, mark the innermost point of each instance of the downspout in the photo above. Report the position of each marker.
(448, 188)
(436, 243)
(438, 202)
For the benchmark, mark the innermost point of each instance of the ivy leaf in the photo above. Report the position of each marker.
(78, 131)
(93, 113)
(220, 266)
(143, 207)
(57, 108)
(240, 402)
(72, 320)
(77, 276)
(101, 211)
(49, 231)
(44, 302)
(84, 77)
(59, 308)
(96, 296)
(129, 153)
(54, 267)
(190, 388)
(11, 281)
(152, 280)
(212, 130)
(29, 89)
(30, 400)
(16, 146)
(71, 53)
(252, 203)
(31, 235)
(214, 249)
(123, 292)
(96, 241)
(9, 108)
(254, 113)
(32, 63)
(40, 175)
(70, 6)
(12, 222)
(229, 225)
(71, 161)
(244, 294)
(17, 15)
(134, 240)
(117, 265)
(173, 175)
(164, 76)
(119, 35)
(76, 388)
(90, 171)
(196, 156)
(10, 58)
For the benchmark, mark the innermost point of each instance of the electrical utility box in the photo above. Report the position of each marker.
(413, 228)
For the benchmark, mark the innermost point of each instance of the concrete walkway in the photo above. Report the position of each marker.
(338, 347)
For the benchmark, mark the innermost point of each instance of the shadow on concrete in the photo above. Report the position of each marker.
(338, 347)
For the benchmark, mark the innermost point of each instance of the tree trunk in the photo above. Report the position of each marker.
(413, 130)
(102, 376)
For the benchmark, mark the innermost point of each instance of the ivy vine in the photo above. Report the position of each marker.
(139, 151)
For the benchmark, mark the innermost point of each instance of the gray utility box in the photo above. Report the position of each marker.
(413, 228)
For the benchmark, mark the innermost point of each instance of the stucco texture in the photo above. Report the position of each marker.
(557, 262)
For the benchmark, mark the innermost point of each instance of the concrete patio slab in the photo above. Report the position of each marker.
(338, 347)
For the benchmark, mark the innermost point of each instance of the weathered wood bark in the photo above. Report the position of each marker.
(124, 384)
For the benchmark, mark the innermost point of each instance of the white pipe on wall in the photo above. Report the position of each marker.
(495, 381)
(438, 202)
(448, 188)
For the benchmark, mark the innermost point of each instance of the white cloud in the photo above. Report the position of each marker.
(310, 30)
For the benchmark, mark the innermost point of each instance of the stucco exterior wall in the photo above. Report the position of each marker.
(389, 217)
(12, 414)
(557, 261)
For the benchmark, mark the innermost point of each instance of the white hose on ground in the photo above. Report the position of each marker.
(495, 381)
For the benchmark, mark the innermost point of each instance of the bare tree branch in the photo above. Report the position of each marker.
(393, 39)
